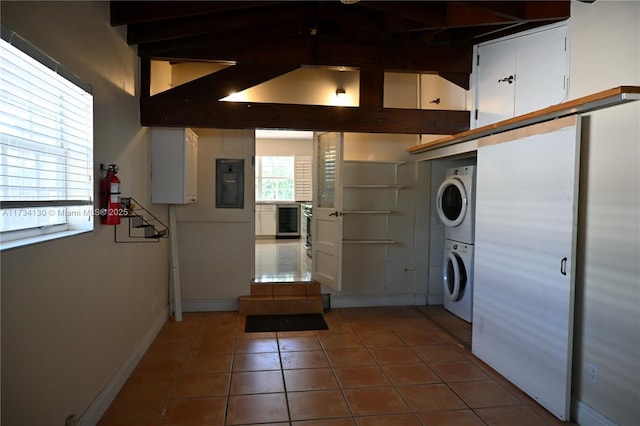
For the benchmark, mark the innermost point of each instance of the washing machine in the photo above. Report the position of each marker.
(457, 278)
(455, 203)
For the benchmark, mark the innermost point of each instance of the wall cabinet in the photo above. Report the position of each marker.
(520, 74)
(174, 166)
(265, 220)
(438, 93)
(370, 196)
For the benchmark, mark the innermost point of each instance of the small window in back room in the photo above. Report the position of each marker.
(46, 147)
(275, 178)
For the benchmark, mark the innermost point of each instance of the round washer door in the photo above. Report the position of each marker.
(451, 202)
(454, 277)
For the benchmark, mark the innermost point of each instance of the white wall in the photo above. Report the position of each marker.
(605, 53)
(77, 311)
(216, 245)
(276, 147)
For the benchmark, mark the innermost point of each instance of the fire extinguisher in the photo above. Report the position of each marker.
(110, 197)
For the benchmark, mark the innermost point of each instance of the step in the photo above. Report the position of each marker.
(282, 299)
(286, 289)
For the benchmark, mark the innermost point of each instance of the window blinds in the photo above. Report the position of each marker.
(46, 135)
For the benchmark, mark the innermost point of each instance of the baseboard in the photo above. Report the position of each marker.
(346, 301)
(209, 305)
(435, 299)
(584, 415)
(99, 406)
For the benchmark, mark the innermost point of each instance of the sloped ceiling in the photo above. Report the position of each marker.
(269, 38)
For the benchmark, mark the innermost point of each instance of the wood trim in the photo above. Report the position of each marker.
(523, 132)
(226, 81)
(610, 97)
(177, 112)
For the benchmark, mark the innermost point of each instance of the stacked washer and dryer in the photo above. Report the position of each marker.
(456, 209)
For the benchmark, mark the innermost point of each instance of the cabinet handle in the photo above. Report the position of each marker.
(509, 79)
(435, 101)
(563, 266)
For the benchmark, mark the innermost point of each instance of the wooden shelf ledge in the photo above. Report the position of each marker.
(604, 99)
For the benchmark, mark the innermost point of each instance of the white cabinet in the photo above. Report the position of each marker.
(520, 74)
(265, 220)
(174, 166)
(438, 93)
(370, 196)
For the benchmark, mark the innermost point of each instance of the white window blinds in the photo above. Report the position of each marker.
(47, 133)
(46, 139)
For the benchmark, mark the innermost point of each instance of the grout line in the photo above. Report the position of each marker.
(284, 382)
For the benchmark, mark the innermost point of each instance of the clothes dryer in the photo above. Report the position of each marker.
(457, 278)
(455, 203)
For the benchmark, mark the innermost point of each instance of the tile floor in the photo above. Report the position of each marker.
(281, 260)
(374, 366)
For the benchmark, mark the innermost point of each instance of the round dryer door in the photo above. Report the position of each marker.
(454, 276)
(451, 202)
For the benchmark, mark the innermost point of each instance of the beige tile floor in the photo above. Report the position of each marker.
(374, 366)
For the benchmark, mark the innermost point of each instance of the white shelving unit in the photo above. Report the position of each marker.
(370, 197)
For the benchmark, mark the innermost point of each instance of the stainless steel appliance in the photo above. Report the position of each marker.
(288, 221)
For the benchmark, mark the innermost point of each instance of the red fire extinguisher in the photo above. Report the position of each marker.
(110, 207)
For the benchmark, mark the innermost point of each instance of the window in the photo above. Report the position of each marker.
(46, 147)
(274, 178)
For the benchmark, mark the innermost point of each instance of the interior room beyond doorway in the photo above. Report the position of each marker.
(281, 256)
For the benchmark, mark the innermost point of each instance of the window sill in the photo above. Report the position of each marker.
(7, 245)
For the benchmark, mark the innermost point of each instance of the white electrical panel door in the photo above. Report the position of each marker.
(525, 255)
(174, 166)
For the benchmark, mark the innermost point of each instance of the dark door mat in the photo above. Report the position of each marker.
(298, 322)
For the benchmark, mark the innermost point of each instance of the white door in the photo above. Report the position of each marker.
(495, 86)
(526, 221)
(541, 69)
(326, 231)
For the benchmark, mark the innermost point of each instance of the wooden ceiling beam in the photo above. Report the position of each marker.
(308, 51)
(135, 12)
(430, 13)
(227, 26)
(174, 112)
(472, 14)
(459, 79)
(371, 88)
(227, 81)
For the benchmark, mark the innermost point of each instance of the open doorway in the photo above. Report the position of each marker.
(283, 205)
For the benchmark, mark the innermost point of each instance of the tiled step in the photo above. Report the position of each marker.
(282, 299)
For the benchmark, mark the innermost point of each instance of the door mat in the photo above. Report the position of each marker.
(298, 322)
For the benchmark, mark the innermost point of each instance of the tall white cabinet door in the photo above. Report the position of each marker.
(174, 165)
(526, 220)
